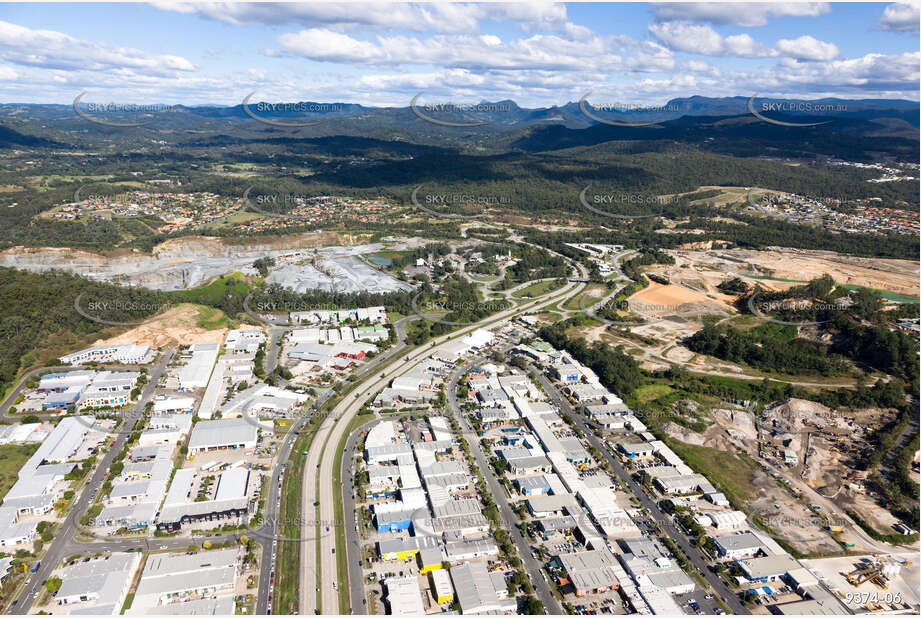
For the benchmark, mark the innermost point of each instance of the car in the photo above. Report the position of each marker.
(334, 550)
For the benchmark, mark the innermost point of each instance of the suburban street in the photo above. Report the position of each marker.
(664, 521)
(63, 538)
(509, 518)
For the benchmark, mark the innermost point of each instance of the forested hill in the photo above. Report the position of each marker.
(850, 138)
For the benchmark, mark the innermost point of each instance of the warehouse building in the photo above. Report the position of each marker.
(168, 579)
(736, 546)
(99, 585)
(225, 433)
(768, 568)
(590, 571)
(476, 592)
(442, 589)
(198, 367)
(404, 596)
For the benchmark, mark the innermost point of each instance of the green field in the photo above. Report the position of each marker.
(650, 392)
(212, 293)
(537, 289)
(730, 474)
(12, 457)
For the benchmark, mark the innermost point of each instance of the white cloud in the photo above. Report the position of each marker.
(442, 17)
(739, 14)
(55, 50)
(485, 53)
(744, 45)
(900, 17)
(687, 37)
(807, 48)
(702, 39)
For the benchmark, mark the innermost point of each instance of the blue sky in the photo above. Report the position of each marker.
(538, 54)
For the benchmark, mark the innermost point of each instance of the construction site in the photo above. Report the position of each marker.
(874, 583)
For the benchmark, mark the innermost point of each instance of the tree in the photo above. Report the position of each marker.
(53, 584)
(533, 606)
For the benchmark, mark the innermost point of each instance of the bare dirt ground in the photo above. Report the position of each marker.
(176, 326)
(705, 269)
(790, 520)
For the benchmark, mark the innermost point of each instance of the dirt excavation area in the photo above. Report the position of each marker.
(182, 325)
(812, 451)
(730, 456)
(780, 268)
(659, 299)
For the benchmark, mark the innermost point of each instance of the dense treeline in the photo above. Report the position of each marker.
(616, 369)
(793, 356)
(632, 266)
(38, 313)
(881, 394)
(855, 321)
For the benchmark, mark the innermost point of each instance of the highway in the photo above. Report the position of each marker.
(509, 518)
(664, 521)
(63, 539)
(331, 432)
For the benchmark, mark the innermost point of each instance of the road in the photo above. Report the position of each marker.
(62, 542)
(10, 399)
(664, 521)
(331, 432)
(352, 535)
(509, 518)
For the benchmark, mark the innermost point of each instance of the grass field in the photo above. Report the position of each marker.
(592, 294)
(537, 289)
(651, 392)
(12, 457)
(211, 293)
(730, 474)
(210, 318)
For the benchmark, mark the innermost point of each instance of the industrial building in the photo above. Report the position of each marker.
(169, 579)
(742, 545)
(99, 585)
(220, 434)
(115, 353)
(404, 597)
(476, 592)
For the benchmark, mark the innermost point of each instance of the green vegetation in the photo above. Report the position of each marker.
(289, 551)
(617, 370)
(539, 288)
(38, 320)
(766, 350)
(12, 458)
(729, 473)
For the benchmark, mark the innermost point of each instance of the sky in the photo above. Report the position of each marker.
(538, 54)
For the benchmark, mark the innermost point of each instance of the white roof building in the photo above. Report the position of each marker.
(224, 433)
(404, 596)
